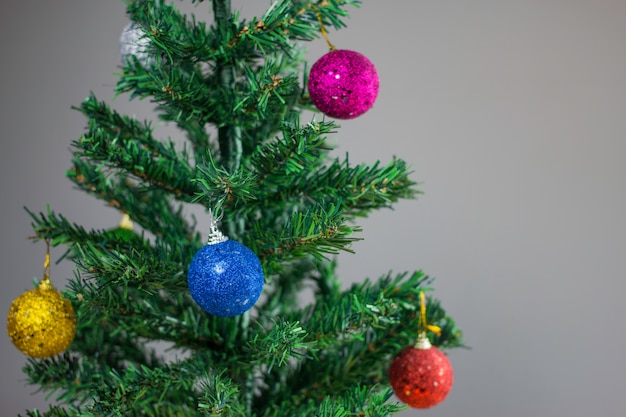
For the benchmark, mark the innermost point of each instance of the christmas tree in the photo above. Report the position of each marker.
(280, 208)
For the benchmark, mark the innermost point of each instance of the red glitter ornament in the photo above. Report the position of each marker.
(421, 375)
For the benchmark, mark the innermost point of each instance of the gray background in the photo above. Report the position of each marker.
(513, 115)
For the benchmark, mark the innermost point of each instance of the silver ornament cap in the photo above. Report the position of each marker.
(215, 234)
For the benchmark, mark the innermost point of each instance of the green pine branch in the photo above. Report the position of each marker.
(367, 187)
(300, 149)
(283, 343)
(54, 411)
(121, 143)
(292, 170)
(260, 94)
(284, 22)
(221, 190)
(282, 290)
(170, 32)
(318, 232)
(220, 396)
(355, 334)
(152, 208)
(360, 400)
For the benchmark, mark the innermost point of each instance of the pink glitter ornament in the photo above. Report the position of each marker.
(343, 84)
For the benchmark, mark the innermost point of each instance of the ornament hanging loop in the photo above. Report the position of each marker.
(323, 29)
(215, 234)
(422, 326)
(46, 263)
(45, 283)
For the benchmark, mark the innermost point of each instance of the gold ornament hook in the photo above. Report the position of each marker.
(423, 326)
(323, 29)
(45, 283)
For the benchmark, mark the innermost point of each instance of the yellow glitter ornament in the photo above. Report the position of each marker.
(40, 322)
(124, 231)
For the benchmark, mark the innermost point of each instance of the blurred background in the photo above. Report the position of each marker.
(513, 116)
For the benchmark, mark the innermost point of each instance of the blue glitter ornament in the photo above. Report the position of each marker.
(225, 277)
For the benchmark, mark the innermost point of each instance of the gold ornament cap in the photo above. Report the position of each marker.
(40, 322)
(422, 342)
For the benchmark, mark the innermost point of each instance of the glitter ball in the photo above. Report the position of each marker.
(421, 378)
(133, 42)
(225, 279)
(40, 322)
(343, 84)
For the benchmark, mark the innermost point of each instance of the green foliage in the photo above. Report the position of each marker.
(235, 90)
(220, 397)
(284, 341)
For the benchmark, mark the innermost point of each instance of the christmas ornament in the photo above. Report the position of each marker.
(225, 277)
(133, 42)
(40, 322)
(124, 231)
(343, 84)
(421, 375)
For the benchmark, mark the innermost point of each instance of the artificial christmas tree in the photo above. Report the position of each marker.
(235, 90)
